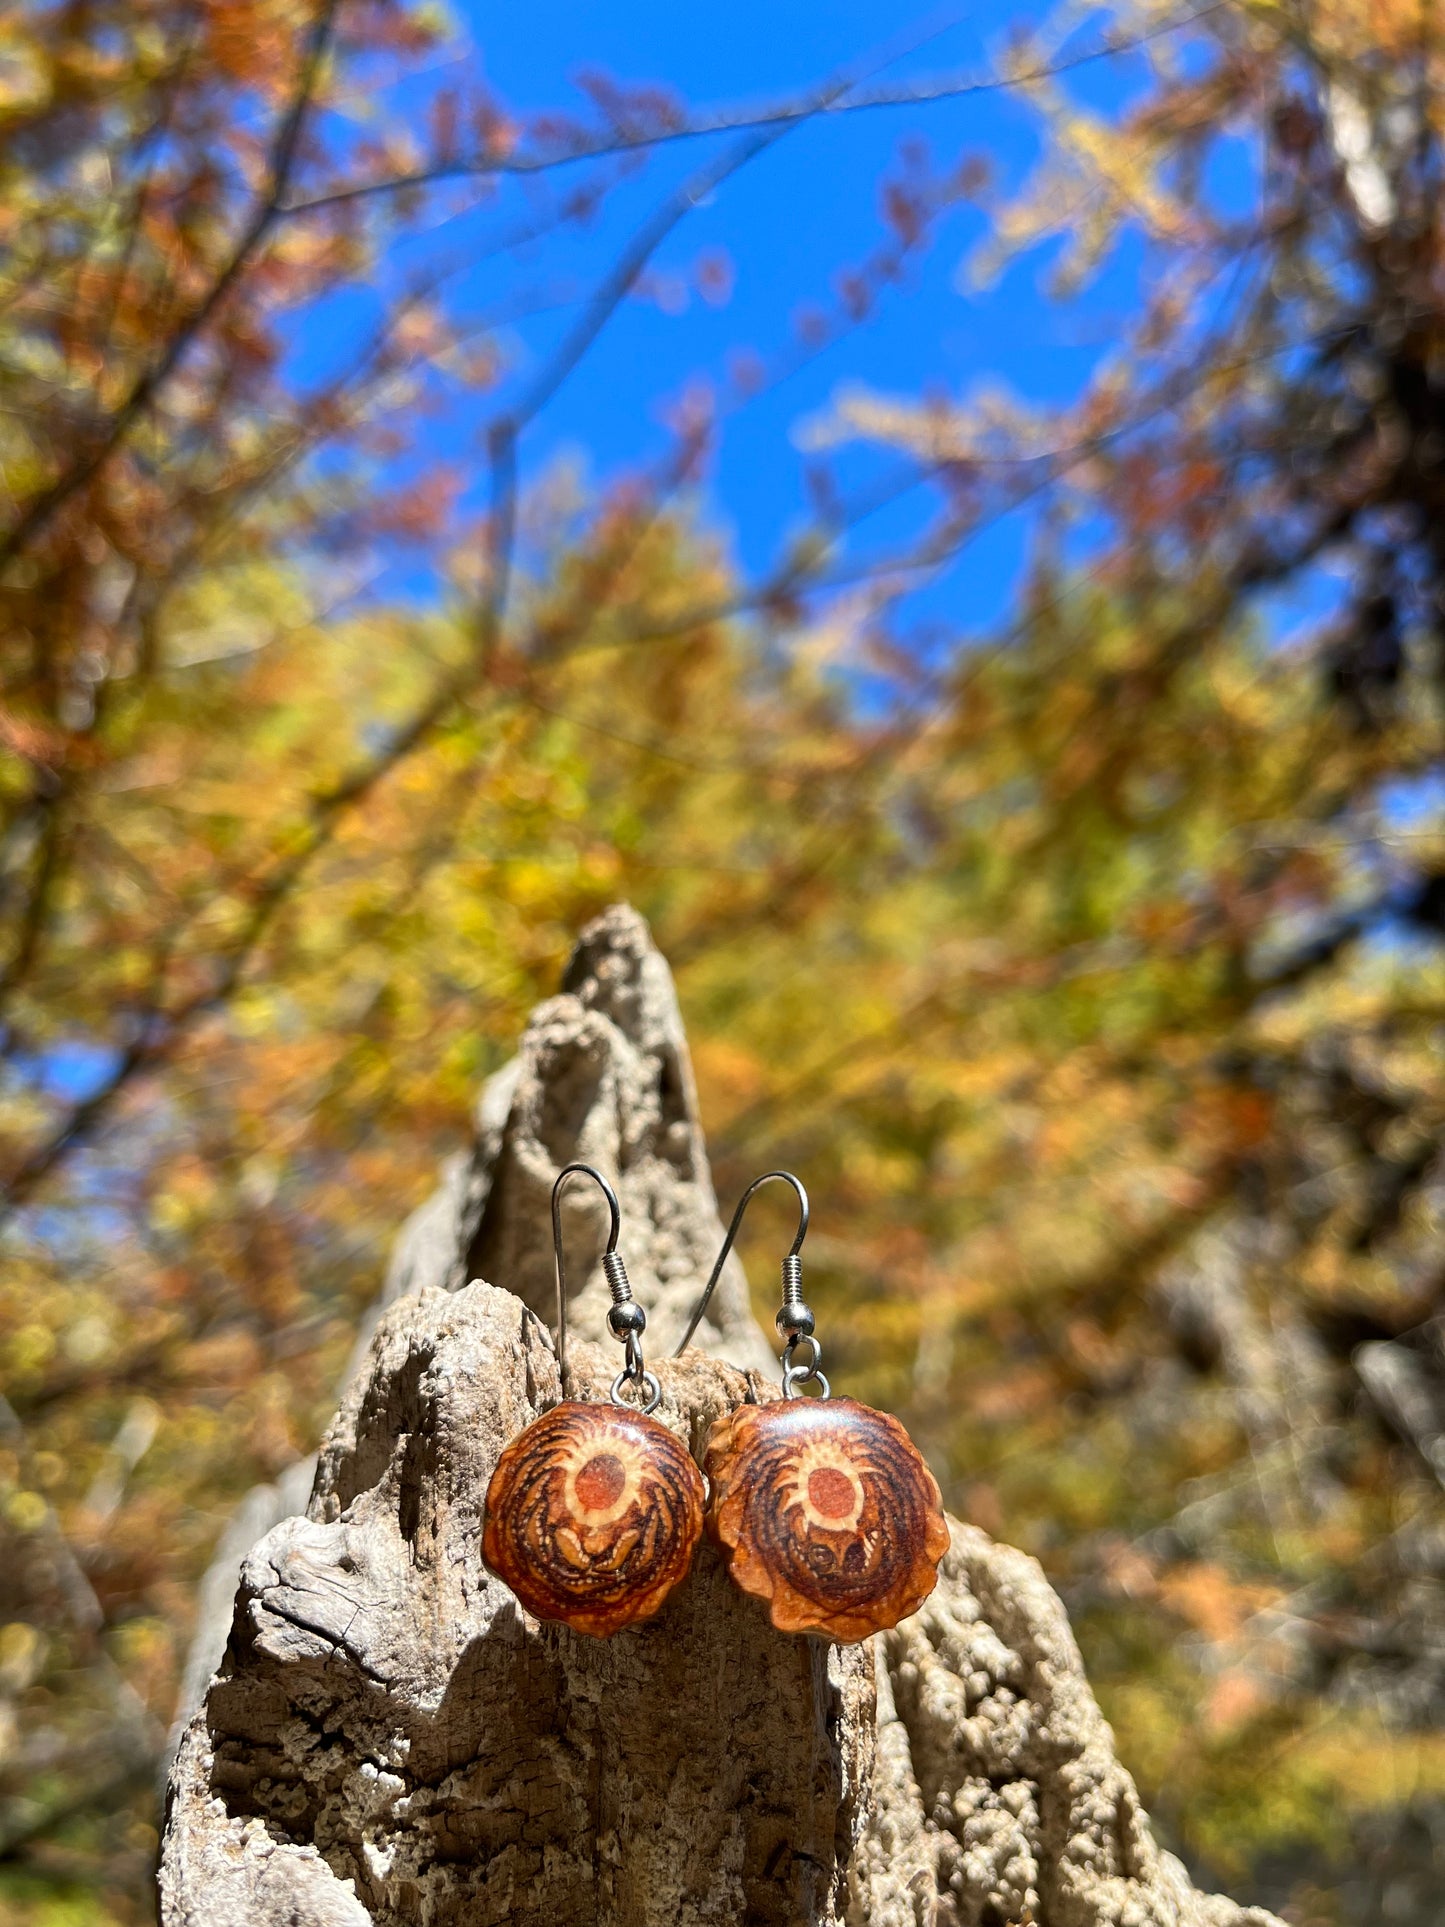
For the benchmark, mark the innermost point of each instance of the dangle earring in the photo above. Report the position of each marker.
(594, 1512)
(822, 1506)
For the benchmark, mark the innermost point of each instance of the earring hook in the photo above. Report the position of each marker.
(626, 1319)
(792, 1269)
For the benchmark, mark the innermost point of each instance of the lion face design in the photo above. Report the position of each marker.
(826, 1509)
(593, 1516)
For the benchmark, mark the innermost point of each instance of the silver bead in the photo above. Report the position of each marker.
(795, 1320)
(626, 1319)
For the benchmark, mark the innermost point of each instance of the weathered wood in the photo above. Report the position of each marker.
(391, 1738)
(603, 1071)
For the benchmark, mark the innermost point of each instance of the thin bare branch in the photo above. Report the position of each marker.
(47, 504)
(744, 120)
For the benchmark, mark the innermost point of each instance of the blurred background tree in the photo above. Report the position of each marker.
(1087, 963)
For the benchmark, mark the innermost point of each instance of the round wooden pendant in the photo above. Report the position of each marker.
(593, 1516)
(826, 1510)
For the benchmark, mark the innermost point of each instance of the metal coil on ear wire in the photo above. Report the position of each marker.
(626, 1320)
(795, 1319)
(615, 1272)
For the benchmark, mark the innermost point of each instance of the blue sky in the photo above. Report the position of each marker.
(788, 222)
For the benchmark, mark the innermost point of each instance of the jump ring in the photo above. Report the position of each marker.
(649, 1384)
(796, 1375)
(814, 1361)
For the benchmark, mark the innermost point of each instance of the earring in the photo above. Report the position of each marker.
(594, 1512)
(822, 1506)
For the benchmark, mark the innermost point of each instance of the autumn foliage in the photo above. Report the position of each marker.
(1090, 968)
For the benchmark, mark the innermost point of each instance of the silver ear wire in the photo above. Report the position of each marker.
(626, 1320)
(795, 1320)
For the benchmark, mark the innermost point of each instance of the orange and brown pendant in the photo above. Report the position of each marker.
(826, 1509)
(593, 1516)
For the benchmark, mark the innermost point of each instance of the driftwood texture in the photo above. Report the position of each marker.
(390, 1739)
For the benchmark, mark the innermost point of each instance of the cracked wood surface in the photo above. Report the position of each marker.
(389, 1738)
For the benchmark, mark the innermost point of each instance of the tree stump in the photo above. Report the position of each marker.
(390, 1738)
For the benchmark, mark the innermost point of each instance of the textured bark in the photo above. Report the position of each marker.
(389, 1737)
(603, 1072)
